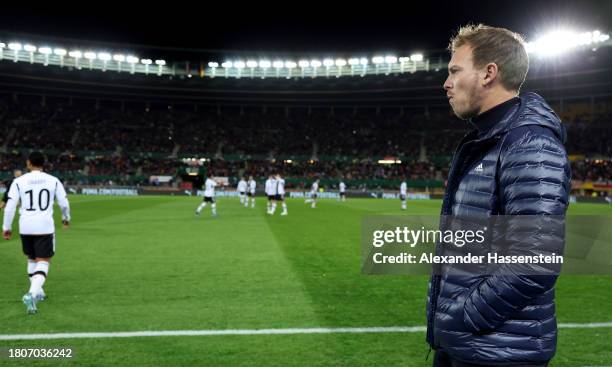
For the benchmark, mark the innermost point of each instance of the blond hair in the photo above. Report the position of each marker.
(495, 45)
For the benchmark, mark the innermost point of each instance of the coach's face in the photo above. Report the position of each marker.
(462, 85)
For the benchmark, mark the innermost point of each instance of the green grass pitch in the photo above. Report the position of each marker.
(148, 263)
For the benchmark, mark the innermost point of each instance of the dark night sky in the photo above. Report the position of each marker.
(299, 26)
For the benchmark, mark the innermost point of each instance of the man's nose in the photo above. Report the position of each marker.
(447, 84)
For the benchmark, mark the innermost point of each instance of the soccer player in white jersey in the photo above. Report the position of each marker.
(251, 185)
(403, 189)
(209, 196)
(36, 191)
(270, 192)
(342, 187)
(313, 194)
(242, 188)
(280, 194)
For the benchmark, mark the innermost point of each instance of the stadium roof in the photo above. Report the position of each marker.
(304, 27)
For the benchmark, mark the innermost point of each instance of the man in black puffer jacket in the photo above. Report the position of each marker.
(513, 163)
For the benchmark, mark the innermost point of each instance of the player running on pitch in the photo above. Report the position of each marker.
(36, 191)
(251, 185)
(209, 196)
(313, 194)
(242, 188)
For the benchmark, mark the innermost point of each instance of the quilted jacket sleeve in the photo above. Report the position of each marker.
(534, 180)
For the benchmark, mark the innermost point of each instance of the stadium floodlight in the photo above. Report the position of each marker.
(76, 55)
(315, 64)
(591, 37)
(378, 60)
(61, 53)
(90, 56)
(160, 66)
(304, 64)
(403, 61)
(555, 43)
(31, 49)
(132, 60)
(587, 38)
(339, 63)
(278, 65)
(290, 65)
(416, 57)
(264, 64)
(328, 63)
(15, 46)
(252, 64)
(239, 65)
(390, 59)
(146, 63)
(213, 65)
(119, 58)
(364, 65)
(560, 41)
(45, 51)
(104, 56)
(226, 66)
(2, 45)
(353, 62)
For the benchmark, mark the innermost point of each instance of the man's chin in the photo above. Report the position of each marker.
(464, 115)
(461, 116)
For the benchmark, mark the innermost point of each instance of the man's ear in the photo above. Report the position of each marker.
(491, 73)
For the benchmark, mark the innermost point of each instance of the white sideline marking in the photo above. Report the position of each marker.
(589, 325)
(345, 330)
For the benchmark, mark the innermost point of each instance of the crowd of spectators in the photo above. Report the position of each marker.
(86, 140)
